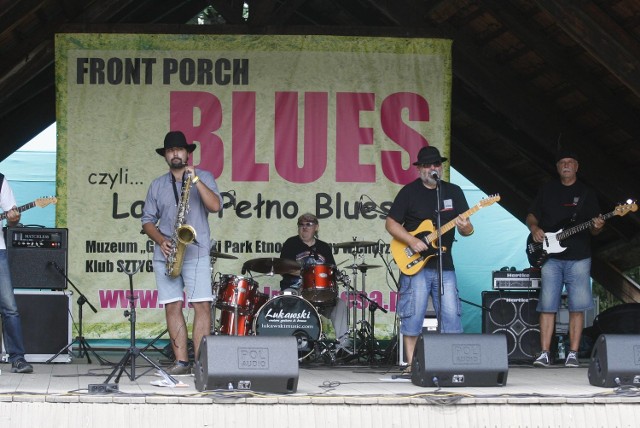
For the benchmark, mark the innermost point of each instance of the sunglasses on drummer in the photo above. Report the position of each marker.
(307, 224)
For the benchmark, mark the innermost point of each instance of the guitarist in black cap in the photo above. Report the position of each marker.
(558, 203)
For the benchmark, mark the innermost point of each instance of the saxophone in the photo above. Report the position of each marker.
(183, 234)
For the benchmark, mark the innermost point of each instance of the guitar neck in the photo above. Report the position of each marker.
(450, 225)
(580, 227)
(20, 209)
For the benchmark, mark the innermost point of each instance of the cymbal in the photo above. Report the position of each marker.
(218, 255)
(354, 244)
(363, 266)
(273, 265)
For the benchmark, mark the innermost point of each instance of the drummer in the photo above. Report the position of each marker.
(308, 250)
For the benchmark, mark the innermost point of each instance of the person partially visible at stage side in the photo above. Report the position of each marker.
(307, 249)
(11, 325)
(559, 202)
(158, 222)
(415, 203)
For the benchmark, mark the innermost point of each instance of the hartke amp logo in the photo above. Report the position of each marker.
(253, 358)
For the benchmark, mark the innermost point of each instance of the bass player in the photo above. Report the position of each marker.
(562, 201)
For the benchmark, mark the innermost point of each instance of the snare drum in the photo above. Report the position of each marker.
(236, 292)
(290, 316)
(319, 284)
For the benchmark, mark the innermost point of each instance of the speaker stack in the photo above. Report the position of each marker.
(256, 363)
(460, 360)
(513, 314)
(33, 255)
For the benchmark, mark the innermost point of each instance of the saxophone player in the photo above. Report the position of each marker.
(182, 269)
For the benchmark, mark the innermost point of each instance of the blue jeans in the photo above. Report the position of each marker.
(413, 299)
(575, 276)
(11, 326)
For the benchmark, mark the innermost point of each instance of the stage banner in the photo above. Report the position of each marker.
(286, 124)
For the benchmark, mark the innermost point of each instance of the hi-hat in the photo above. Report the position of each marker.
(218, 255)
(272, 265)
(363, 266)
(354, 244)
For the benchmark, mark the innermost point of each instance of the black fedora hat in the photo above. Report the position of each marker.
(429, 155)
(175, 139)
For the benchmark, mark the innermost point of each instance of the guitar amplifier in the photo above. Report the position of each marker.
(516, 280)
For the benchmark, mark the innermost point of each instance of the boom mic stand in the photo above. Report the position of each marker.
(133, 352)
(83, 345)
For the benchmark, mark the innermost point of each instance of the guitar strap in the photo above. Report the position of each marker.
(579, 206)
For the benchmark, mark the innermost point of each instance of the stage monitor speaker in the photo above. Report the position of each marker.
(256, 363)
(46, 324)
(513, 314)
(33, 256)
(460, 360)
(615, 361)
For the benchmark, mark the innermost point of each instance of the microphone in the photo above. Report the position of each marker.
(434, 174)
(244, 270)
(362, 208)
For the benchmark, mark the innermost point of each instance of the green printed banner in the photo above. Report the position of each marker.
(286, 124)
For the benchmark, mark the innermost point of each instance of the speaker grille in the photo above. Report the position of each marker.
(513, 314)
(32, 253)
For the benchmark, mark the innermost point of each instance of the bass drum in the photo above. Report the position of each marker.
(290, 316)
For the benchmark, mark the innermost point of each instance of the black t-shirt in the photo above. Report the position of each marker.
(415, 203)
(307, 255)
(555, 207)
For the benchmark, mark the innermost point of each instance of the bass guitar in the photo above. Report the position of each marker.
(537, 252)
(410, 262)
(40, 202)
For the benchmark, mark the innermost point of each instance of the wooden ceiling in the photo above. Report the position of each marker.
(529, 75)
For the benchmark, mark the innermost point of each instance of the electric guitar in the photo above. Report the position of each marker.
(410, 262)
(537, 252)
(40, 202)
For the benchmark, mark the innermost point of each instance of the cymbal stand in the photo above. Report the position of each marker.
(133, 352)
(369, 330)
(352, 294)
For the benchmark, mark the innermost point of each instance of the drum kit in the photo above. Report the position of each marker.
(246, 311)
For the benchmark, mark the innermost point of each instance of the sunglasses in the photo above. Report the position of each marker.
(308, 224)
(427, 165)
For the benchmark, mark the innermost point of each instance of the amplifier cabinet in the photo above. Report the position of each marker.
(46, 324)
(37, 257)
(516, 280)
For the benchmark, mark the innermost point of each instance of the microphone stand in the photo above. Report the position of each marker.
(440, 276)
(83, 345)
(133, 351)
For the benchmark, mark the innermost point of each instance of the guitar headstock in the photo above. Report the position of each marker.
(489, 200)
(45, 200)
(625, 209)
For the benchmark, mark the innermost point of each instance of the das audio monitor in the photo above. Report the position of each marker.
(460, 360)
(256, 363)
(615, 361)
(35, 255)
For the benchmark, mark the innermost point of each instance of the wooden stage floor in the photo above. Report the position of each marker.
(357, 392)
